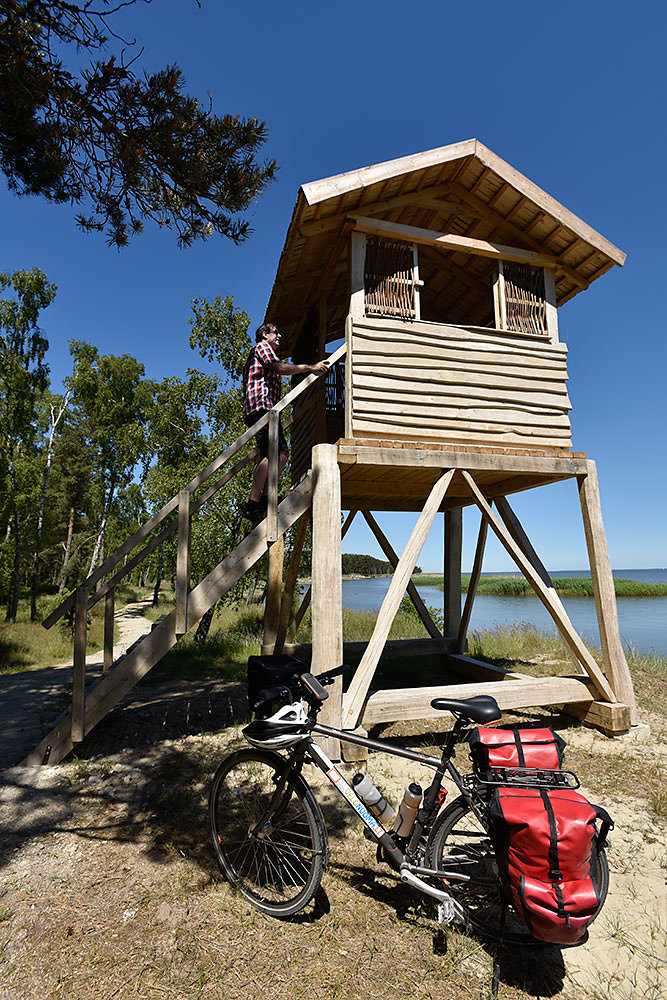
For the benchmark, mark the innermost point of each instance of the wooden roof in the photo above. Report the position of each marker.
(462, 189)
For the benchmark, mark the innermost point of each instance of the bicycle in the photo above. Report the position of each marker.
(270, 836)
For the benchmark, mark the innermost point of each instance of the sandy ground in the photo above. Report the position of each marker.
(625, 957)
(110, 890)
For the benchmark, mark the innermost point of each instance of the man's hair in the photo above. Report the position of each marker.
(263, 330)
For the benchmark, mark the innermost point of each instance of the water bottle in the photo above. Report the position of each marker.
(407, 811)
(376, 802)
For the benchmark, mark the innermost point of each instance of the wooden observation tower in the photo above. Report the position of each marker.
(437, 280)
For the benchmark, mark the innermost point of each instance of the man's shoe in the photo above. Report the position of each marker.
(253, 511)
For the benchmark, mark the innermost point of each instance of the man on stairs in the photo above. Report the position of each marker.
(261, 392)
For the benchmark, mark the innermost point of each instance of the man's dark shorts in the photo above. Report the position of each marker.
(262, 438)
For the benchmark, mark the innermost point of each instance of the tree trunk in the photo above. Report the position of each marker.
(15, 584)
(156, 592)
(253, 588)
(40, 520)
(99, 544)
(13, 603)
(68, 546)
(201, 634)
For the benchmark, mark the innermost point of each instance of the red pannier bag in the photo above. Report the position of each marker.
(546, 848)
(516, 747)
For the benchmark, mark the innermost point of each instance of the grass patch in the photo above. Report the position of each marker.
(358, 625)
(520, 646)
(27, 645)
(234, 636)
(566, 586)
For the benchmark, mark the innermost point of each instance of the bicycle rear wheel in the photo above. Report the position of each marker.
(461, 849)
(278, 868)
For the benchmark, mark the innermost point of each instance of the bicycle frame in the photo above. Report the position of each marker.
(408, 871)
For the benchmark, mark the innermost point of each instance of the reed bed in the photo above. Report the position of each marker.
(566, 586)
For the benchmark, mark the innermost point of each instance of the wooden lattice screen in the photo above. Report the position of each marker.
(389, 279)
(334, 389)
(525, 299)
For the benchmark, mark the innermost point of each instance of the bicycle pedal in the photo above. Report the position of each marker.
(446, 914)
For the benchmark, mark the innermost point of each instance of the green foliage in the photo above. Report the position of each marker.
(23, 376)
(23, 372)
(234, 636)
(219, 332)
(362, 565)
(408, 609)
(132, 147)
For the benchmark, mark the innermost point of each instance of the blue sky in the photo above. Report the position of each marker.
(572, 94)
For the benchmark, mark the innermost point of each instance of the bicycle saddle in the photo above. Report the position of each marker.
(483, 708)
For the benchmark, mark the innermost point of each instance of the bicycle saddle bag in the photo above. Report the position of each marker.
(546, 849)
(515, 747)
(267, 674)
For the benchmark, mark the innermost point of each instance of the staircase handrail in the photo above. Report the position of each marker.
(87, 585)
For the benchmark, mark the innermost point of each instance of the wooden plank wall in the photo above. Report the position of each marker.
(302, 435)
(431, 381)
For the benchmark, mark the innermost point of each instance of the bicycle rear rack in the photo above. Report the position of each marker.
(527, 777)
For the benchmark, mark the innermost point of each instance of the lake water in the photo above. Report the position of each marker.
(642, 620)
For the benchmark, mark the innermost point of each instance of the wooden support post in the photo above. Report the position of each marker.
(290, 583)
(321, 418)
(327, 587)
(472, 586)
(274, 586)
(499, 301)
(563, 623)
(183, 562)
(603, 589)
(420, 607)
(272, 481)
(453, 546)
(357, 268)
(550, 303)
(349, 361)
(109, 607)
(79, 665)
(416, 283)
(356, 694)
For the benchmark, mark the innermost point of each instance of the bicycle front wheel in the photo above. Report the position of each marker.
(277, 866)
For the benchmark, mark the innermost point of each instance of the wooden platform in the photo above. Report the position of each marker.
(400, 476)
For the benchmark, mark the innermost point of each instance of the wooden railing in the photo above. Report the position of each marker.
(176, 515)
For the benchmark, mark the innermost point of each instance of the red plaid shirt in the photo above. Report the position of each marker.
(262, 386)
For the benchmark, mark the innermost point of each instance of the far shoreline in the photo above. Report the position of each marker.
(506, 585)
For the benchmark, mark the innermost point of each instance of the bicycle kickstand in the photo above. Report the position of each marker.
(495, 981)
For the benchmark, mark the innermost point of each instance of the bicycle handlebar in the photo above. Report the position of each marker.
(308, 685)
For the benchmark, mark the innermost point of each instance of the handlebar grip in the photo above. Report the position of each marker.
(329, 675)
(271, 694)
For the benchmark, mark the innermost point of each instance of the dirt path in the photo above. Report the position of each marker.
(32, 700)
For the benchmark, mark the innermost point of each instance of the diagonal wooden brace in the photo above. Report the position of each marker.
(571, 637)
(353, 702)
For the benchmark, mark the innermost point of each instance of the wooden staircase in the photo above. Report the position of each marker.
(90, 705)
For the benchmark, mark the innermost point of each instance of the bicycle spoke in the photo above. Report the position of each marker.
(272, 850)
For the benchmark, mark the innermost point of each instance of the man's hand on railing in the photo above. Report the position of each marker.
(287, 368)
